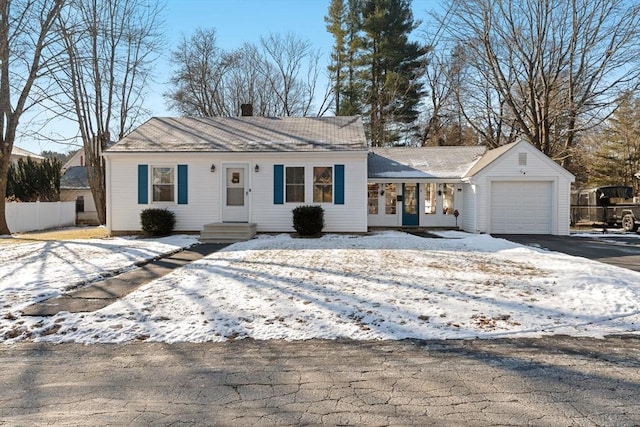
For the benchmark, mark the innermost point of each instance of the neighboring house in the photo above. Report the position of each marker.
(256, 170)
(18, 153)
(74, 187)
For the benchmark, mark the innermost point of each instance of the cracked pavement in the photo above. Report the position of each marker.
(553, 381)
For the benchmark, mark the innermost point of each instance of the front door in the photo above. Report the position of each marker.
(235, 194)
(410, 204)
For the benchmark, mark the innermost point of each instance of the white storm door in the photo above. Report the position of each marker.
(235, 194)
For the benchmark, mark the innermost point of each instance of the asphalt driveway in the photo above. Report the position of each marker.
(621, 251)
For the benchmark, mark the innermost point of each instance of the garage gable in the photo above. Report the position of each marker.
(517, 159)
(520, 191)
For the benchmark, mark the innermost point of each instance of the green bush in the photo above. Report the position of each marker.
(308, 220)
(30, 181)
(157, 222)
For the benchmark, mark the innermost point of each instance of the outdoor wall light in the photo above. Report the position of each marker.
(213, 167)
(382, 192)
(257, 169)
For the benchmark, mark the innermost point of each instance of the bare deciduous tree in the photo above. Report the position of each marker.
(25, 32)
(554, 67)
(109, 48)
(199, 80)
(279, 77)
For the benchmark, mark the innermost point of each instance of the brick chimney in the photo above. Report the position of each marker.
(247, 109)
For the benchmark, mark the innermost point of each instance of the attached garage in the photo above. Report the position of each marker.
(516, 189)
(513, 189)
(521, 207)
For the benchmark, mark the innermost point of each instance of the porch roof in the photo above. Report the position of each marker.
(422, 162)
(245, 134)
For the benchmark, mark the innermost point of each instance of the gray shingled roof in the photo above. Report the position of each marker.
(245, 134)
(74, 178)
(422, 162)
(488, 158)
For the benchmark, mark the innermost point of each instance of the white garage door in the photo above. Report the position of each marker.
(521, 207)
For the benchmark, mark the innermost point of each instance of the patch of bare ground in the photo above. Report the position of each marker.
(72, 233)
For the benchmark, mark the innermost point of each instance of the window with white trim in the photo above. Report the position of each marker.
(390, 198)
(430, 198)
(447, 199)
(163, 183)
(323, 184)
(372, 189)
(294, 184)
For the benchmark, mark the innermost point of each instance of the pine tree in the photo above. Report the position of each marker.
(392, 67)
(343, 21)
(336, 25)
(30, 181)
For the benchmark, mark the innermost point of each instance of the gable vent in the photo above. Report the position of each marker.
(522, 159)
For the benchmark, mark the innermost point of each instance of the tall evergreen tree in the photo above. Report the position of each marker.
(377, 72)
(392, 67)
(336, 25)
(30, 181)
(344, 22)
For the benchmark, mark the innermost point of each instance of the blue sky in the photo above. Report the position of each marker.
(236, 22)
(240, 21)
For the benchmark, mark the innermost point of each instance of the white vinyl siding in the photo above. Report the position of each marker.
(468, 216)
(124, 211)
(205, 189)
(507, 168)
(349, 217)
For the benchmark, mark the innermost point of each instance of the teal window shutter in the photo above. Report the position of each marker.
(278, 184)
(339, 184)
(143, 184)
(183, 184)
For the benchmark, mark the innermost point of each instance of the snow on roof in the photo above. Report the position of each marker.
(422, 162)
(245, 134)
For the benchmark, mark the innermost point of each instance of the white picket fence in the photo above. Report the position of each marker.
(33, 216)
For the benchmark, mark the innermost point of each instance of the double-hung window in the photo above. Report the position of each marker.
(430, 198)
(163, 181)
(372, 190)
(294, 184)
(323, 184)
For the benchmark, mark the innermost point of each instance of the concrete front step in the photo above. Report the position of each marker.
(227, 232)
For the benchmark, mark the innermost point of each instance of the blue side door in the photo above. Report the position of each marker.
(410, 215)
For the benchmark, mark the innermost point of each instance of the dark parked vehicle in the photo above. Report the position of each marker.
(613, 205)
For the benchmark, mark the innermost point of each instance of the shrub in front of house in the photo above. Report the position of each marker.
(157, 222)
(308, 220)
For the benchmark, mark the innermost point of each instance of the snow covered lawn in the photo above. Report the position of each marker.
(387, 285)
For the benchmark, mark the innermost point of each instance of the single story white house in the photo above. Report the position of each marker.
(256, 170)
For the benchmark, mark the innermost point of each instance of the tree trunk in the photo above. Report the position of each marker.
(4, 169)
